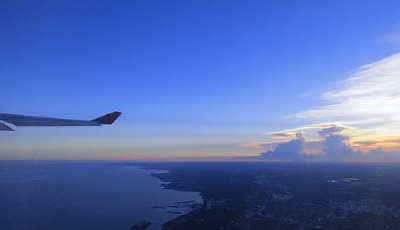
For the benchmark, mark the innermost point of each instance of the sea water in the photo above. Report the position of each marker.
(85, 195)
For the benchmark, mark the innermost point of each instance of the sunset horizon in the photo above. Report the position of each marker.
(203, 80)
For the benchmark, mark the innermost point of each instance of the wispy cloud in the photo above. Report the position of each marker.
(369, 100)
(282, 134)
(391, 38)
(334, 129)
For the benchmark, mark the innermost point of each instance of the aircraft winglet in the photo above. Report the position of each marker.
(4, 127)
(108, 119)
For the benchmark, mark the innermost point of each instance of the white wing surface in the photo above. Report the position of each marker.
(20, 120)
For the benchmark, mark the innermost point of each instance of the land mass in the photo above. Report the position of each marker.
(286, 195)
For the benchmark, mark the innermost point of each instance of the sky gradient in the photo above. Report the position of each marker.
(203, 78)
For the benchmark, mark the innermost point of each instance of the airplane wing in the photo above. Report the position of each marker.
(20, 120)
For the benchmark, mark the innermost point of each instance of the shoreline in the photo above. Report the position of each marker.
(169, 183)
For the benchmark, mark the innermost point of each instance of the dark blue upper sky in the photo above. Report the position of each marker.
(200, 66)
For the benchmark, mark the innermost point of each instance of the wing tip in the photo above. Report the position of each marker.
(108, 119)
(4, 127)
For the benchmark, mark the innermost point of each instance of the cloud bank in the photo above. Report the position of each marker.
(358, 121)
(334, 147)
(292, 150)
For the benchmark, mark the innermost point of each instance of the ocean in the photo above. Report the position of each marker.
(85, 195)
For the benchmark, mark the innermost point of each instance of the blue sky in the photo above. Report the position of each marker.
(192, 78)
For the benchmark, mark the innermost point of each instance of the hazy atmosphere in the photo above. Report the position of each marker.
(269, 80)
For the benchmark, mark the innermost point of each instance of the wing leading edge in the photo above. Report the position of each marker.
(20, 120)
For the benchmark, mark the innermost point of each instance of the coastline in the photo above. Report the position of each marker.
(191, 206)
